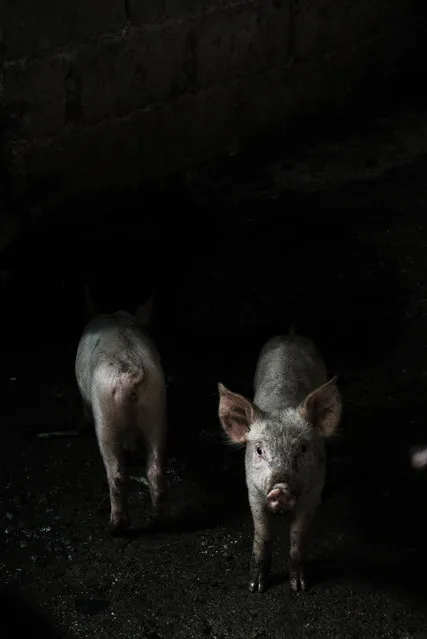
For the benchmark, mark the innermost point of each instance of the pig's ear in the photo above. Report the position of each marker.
(323, 408)
(144, 312)
(236, 413)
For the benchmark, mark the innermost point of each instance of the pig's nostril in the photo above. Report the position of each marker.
(281, 479)
(279, 491)
(280, 499)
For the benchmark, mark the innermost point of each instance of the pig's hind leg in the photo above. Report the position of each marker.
(156, 473)
(152, 425)
(108, 429)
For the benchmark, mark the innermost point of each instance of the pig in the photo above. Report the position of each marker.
(122, 385)
(418, 458)
(293, 411)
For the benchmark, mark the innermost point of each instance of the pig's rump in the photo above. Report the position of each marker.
(117, 400)
(119, 377)
(113, 346)
(121, 380)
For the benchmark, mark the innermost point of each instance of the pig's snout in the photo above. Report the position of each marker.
(280, 498)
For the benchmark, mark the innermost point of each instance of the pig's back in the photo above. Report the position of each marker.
(289, 367)
(114, 343)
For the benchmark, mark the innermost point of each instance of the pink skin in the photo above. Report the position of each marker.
(280, 499)
(315, 417)
(419, 459)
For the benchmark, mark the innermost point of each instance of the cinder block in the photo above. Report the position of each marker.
(228, 45)
(274, 23)
(180, 8)
(120, 76)
(31, 27)
(85, 159)
(153, 143)
(322, 26)
(261, 102)
(146, 11)
(34, 96)
(187, 130)
(142, 12)
(328, 82)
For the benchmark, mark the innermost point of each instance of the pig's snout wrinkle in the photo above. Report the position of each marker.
(280, 498)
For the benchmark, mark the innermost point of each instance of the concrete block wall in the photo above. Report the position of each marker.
(116, 92)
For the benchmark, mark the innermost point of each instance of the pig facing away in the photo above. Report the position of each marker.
(121, 382)
(284, 427)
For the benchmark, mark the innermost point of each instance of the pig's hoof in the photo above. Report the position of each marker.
(297, 581)
(119, 526)
(257, 582)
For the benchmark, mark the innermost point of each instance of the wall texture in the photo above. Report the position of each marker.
(97, 92)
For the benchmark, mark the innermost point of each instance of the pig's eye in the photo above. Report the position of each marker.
(259, 450)
(304, 447)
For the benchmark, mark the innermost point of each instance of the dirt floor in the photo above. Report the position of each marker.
(233, 262)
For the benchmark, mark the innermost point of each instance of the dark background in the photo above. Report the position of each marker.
(324, 227)
(230, 269)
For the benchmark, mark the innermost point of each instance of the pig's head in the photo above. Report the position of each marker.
(283, 448)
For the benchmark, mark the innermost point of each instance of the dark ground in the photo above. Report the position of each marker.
(348, 264)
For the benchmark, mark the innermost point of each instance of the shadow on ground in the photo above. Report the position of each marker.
(18, 616)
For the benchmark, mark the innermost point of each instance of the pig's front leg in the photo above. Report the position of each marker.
(298, 532)
(262, 544)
